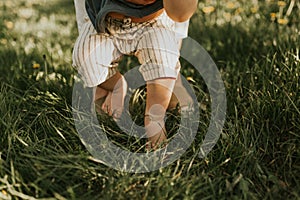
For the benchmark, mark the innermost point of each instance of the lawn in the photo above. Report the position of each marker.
(255, 45)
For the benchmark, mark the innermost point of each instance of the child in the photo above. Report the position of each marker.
(144, 28)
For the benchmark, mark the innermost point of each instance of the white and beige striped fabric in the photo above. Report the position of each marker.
(155, 43)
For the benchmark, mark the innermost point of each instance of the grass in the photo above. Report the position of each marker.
(255, 45)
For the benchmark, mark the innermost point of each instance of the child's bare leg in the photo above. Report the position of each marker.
(115, 88)
(99, 98)
(181, 92)
(159, 92)
(100, 93)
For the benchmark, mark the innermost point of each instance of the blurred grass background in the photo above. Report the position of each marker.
(255, 45)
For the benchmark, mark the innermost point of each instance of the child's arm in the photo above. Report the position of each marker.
(180, 10)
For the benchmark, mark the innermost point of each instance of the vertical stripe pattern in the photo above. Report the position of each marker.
(154, 43)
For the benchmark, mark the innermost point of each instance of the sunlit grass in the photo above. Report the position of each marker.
(255, 44)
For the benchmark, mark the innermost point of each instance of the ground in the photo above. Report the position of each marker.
(255, 45)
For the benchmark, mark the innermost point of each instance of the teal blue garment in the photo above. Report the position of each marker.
(98, 9)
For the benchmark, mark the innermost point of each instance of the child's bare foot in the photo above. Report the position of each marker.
(156, 142)
(155, 128)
